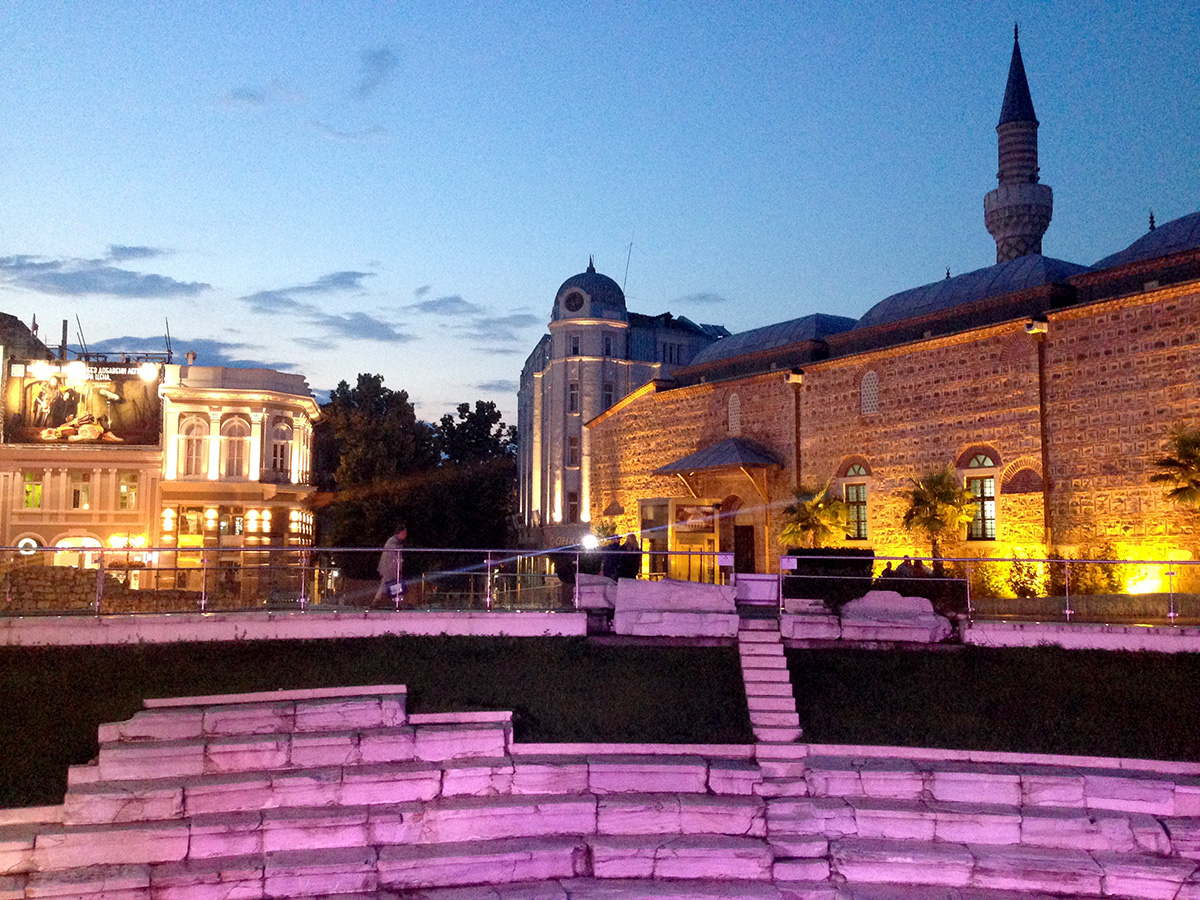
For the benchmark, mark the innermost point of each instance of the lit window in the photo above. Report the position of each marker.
(609, 394)
(868, 394)
(572, 507)
(281, 448)
(573, 397)
(235, 445)
(194, 432)
(127, 491)
(856, 504)
(856, 471)
(981, 461)
(572, 451)
(33, 490)
(81, 489)
(983, 526)
(734, 410)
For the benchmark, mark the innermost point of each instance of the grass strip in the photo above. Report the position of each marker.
(559, 689)
(1036, 700)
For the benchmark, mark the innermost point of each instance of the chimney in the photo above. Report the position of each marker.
(190, 356)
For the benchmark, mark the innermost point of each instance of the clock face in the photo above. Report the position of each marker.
(574, 301)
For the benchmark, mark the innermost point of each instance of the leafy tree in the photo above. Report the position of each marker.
(817, 517)
(1181, 467)
(475, 436)
(938, 504)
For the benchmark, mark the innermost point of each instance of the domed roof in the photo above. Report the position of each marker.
(607, 298)
(1007, 277)
(812, 327)
(1173, 237)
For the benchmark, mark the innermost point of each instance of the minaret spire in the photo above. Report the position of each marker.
(1018, 212)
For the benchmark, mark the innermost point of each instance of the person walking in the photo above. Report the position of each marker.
(391, 568)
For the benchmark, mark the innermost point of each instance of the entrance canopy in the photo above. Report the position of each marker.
(731, 453)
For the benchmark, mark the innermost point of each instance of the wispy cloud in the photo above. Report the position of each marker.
(76, 277)
(377, 67)
(500, 329)
(275, 91)
(295, 301)
(208, 352)
(422, 291)
(365, 134)
(702, 299)
(498, 387)
(452, 305)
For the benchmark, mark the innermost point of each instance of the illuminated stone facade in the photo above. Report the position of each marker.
(1050, 388)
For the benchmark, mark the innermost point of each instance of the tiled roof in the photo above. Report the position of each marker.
(730, 453)
(1003, 278)
(1172, 237)
(808, 328)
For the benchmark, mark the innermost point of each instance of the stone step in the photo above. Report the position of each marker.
(649, 856)
(748, 637)
(768, 689)
(621, 889)
(776, 735)
(779, 675)
(760, 649)
(774, 719)
(775, 704)
(772, 661)
(751, 624)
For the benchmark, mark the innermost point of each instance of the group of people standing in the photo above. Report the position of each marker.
(621, 559)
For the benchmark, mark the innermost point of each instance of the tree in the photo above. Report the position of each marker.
(1181, 467)
(476, 436)
(937, 504)
(816, 516)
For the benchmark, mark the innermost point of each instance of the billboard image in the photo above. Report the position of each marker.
(48, 401)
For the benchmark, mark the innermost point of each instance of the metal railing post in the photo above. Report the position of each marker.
(575, 586)
(1067, 589)
(303, 581)
(487, 589)
(970, 608)
(203, 580)
(100, 581)
(1171, 601)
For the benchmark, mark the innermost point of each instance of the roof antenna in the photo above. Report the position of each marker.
(168, 323)
(1151, 220)
(1016, 32)
(947, 273)
(625, 280)
(79, 330)
(591, 264)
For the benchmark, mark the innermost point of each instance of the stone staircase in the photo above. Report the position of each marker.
(768, 686)
(342, 793)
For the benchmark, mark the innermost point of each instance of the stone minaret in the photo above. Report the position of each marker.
(1017, 213)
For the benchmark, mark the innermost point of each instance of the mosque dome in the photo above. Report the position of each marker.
(590, 295)
(1171, 237)
(1020, 274)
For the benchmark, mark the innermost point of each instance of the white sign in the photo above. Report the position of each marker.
(787, 562)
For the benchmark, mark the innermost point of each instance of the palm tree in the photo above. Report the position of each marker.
(1181, 469)
(816, 516)
(938, 503)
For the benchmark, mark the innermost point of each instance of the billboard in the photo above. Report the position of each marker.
(47, 401)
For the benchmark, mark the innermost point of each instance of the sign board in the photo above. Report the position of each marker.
(787, 562)
(724, 559)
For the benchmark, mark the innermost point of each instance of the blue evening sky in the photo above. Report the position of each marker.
(335, 188)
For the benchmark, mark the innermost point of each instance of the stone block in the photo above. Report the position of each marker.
(832, 776)
(646, 623)
(1036, 869)
(150, 760)
(397, 823)
(156, 725)
(388, 745)
(733, 776)
(491, 862)
(893, 819)
(102, 882)
(1149, 877)
(976, 823)
(768, 689)
(902, 862)
(773, 661)
(310, 750)
(831, 817)
(1129, 792)
(16, 849)
(680, 814)
(1048, 786)
(789, 846)
(249, 718)
(897, 779)
(349, 713)
(437, 743)
(1185, 836)
(320, 873)
(682, 857)
(549, 775)
(245, 753)
(122, 802)
(306, 787)
(1187, 797)
(800, 869)
(647, 774)
(227, 793)
(674, 595)
(478, 778)
(97, 845)
(223, 879)
(594, 591)
(810, 627)
(496, 818)
(400, 783)
(314, 829)
(975, 783)
(784, 704)
(225, 834)
(774, 719)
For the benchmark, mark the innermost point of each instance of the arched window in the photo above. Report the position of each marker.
(193, 432)
(281, 448)
(868, 394)
(981, 462)
(235, 446)
(734, 410)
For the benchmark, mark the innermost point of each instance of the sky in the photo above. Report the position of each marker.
(400, 188)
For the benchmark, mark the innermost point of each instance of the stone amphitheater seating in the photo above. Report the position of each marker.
(342, 794)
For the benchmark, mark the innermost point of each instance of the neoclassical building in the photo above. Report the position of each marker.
(1050, 387)
(596, 353)
(149, 459)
